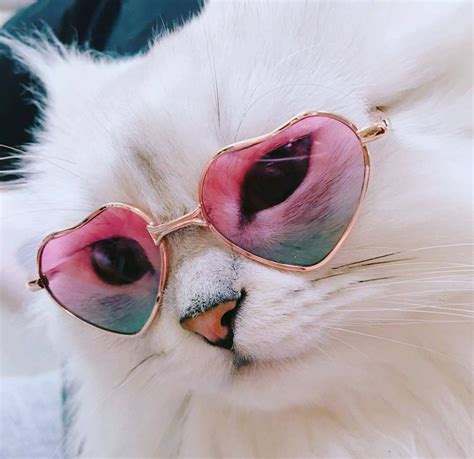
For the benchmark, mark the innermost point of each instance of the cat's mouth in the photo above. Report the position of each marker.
(235, 352)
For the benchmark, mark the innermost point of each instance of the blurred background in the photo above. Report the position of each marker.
(8, 8)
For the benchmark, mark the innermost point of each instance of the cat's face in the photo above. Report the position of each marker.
(142, 131)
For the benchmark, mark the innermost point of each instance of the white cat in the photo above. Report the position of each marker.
(373, 359)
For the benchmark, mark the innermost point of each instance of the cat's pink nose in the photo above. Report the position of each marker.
(214, 324)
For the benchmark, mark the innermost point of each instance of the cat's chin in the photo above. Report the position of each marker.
(272, 384)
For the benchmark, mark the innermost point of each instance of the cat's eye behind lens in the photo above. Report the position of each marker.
(106, 271)
(290, 197)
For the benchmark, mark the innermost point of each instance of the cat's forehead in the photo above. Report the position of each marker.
(170, 132)
(153, 123)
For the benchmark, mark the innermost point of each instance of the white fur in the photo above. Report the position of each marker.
(141, 130)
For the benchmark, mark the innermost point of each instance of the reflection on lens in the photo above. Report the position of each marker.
(289, 198)
(106, 272)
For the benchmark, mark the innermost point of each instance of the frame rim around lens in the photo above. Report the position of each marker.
(256, 140)
(162, 247)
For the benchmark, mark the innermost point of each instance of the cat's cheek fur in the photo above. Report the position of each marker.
(141, 132)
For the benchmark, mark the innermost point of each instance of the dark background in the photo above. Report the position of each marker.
(114, 27)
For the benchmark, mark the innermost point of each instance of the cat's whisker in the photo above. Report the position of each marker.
(349, 265)
(34, 171)
(404, 274)
(325, 353)
(18, 171)
(401, 268)
(400, 323)
(380, 264)
(402, 343)
(23, 156)
(138, 365)
(423, 292)
(349, 345)
(16, 150)
(6, 158)
(422, 308)
(328, 277)
(405, 310)
(405, 282)
(398, 252)
(418, 278)
(420, 305)
(286, 86)
(406, 318)
(410, 270)
(280, 62)
(375, 279)
(212, 64)
(441, 246)
(452, 276)
(27, 156)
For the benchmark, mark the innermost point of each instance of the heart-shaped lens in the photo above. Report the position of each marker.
(289, 197)
(106, 271)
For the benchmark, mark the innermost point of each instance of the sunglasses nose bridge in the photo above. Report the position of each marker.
(194, 218)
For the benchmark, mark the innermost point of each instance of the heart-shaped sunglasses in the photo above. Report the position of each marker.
(287, 199)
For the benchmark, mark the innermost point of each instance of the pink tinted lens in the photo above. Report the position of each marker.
(106, 272)
(290, 197)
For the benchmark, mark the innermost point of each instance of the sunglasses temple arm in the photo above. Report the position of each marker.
(374, 131)
(35, 285)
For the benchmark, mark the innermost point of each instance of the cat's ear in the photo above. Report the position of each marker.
(66, 72)
(39, 54)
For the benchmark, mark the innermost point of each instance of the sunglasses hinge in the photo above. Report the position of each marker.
(374, 131)
(35, 285)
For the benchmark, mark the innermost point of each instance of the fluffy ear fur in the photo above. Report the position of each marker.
(39, 53)
(56, 65)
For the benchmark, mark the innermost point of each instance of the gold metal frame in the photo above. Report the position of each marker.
(199, 217)
(42, 283)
